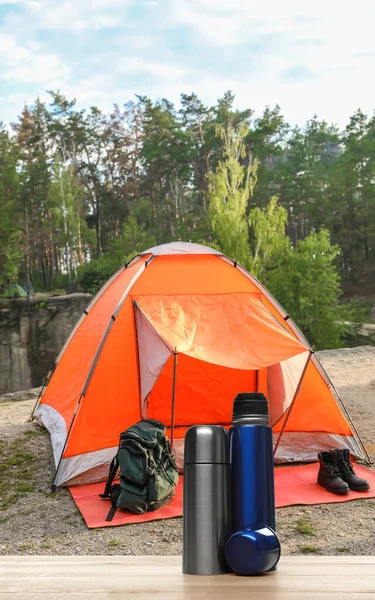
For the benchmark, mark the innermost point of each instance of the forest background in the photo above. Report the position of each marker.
(82, 191)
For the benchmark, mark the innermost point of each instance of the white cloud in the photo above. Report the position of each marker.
(30, 64)
(68, 15)
(308, 57)
(92, 90)
(235, 22)
(212, 26)
(333, 98)
(162, 71)
(136, 42)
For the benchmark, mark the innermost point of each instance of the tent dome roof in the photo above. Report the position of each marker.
(180, 248)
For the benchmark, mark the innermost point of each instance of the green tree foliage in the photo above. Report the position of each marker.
(268, 240)
(307, 285)
(12, 258)
(65, 209)
(253, 236)
(135, 239)
(82, 190)
(355, 201)
(266, 140)
(230, 189)
(10, 218)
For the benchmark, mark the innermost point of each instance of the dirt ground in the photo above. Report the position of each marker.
(34, 521)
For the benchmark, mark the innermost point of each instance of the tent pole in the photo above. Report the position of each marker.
(311, 352)
(46, 381)
(175, 353)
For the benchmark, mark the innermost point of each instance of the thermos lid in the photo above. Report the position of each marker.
(254, 550)
(206, 444)
(249, 405)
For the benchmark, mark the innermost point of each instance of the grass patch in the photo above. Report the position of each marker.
(303, 526)
(45, 545)
(17, 472)
(343, 550)
(32, 433)
(24, 488)
(309, 549)
(113, 543)
(52, 495)
(15, 460)
(27, 475)
(3, 519)
(8, 501)
(25, 546)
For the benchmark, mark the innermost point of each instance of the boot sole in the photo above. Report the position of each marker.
(337, 492)
(362, 489)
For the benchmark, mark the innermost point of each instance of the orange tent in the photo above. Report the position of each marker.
(174, 335)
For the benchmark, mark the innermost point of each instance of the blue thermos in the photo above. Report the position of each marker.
(253, 546)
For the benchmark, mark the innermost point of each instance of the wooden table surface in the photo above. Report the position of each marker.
(160, 577)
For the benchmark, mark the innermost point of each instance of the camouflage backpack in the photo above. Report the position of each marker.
(148, 471)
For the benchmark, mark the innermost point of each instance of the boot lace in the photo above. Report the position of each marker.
(347, 465)
(332, 471)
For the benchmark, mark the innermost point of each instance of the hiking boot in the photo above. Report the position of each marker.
(347, 472)
(329, 476)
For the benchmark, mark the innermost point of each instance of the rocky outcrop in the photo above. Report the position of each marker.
(32, 335)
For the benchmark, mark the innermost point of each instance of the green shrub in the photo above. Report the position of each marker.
(93, 275)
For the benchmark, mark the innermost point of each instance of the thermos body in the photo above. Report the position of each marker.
(253, 546)
(252, 479)
(206, 502)
(206, 519)
(229, 498)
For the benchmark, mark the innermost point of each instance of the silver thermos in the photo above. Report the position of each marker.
(206, 504)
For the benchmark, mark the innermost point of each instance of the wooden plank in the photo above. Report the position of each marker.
(160, 577)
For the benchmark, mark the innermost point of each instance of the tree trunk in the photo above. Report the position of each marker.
(43, 272)
(80, 255)
(154, 212)
(50, 260)
(27, 258)
(98, 228)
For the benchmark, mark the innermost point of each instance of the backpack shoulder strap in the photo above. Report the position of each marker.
(111, 513)
(112, 474)
(115, 492)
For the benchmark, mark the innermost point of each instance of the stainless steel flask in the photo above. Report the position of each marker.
(206, 502)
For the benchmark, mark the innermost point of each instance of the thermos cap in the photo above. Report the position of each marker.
(206, 444)
(251, 407)
(254, 550)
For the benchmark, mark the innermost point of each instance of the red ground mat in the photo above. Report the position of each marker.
(293, 485)
(297, 485)
(94, 509)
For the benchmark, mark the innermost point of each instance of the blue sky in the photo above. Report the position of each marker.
(309, 57)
